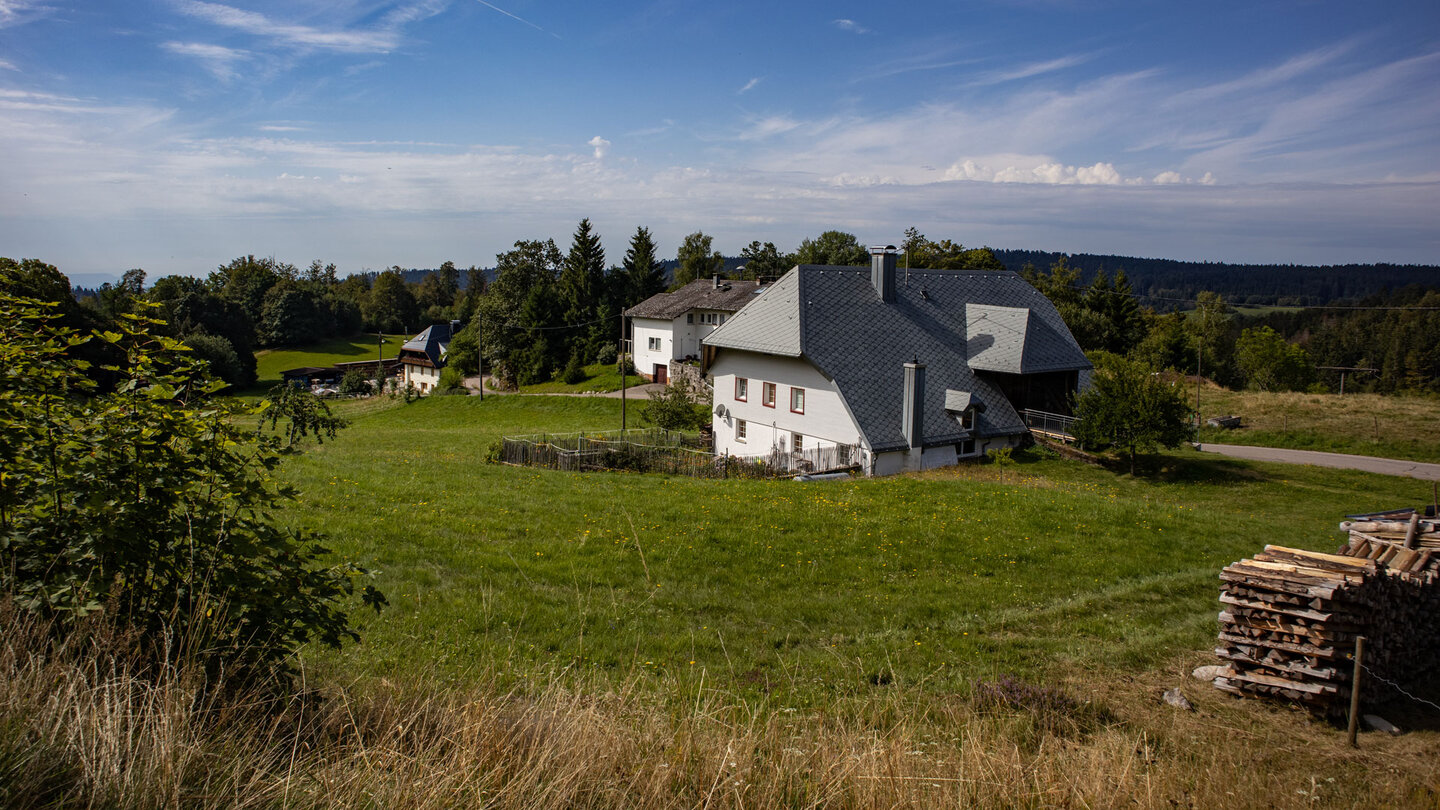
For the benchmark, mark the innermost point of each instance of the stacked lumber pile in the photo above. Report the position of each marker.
(1290, 617)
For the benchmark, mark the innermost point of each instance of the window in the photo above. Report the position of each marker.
(742, 389)
(654, 344)
(689, 317)
(722, 319)
(967, 447)
(739, 430)
(797, 400)
(967, 418)
(767, 396)
(797, 442)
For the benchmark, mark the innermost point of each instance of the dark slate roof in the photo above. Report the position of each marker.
(833, 317)
(432, 343)
(698, 294)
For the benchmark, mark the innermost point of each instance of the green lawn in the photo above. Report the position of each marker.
(801, 591)
(599, 378)
(326, 353)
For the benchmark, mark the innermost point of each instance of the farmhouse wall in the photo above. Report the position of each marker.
(825, 422)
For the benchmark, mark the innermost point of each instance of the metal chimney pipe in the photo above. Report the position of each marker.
(913, 404)
(882, 272)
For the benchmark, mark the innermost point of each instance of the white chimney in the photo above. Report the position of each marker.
(912, 419)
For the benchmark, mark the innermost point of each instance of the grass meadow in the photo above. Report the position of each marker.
(801, 592)
(987, 636)
(599, 378)
(271, 362)
(1362, 424)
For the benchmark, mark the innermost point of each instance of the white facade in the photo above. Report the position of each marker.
(657, 341)
(825, 421)
(424, 378)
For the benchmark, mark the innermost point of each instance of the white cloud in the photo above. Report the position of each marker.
(1167, 179)
(7, 65)
(851, 26)
(1040, 170)
(1032, 69)
(601, 146)
(220, 61)
(750, 85)
(768, 127)
(19, 12)
(281, 128)
(250, 22)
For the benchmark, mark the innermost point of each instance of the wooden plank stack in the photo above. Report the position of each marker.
(1290, 617)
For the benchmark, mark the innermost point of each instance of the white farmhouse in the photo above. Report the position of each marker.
(669, 327)
(423, 356)
(917, 371)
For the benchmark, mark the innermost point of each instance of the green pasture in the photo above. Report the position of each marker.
(271, 362)
(599, 378)
(801, 591)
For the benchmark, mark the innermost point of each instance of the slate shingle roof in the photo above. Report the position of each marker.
(946, 319)
(698, 294)
(432, 343)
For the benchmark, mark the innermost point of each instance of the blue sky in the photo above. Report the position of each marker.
(173, 135)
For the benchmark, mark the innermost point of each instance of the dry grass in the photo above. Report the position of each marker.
(80, 730)
(1371, 424)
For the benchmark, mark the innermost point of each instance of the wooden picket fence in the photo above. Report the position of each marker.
(654, 450)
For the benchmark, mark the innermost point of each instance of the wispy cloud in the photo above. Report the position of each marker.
(1032, 69)
(282, 128)
(18, 12)
(768, 127)
(750, 85)
(516, 17)
(220, 61)
(850, 25)
(8, 65)
(250, 22)
(937, 59)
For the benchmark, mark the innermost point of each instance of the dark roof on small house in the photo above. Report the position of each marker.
(432, 343)
(729, 296)
(954, 321)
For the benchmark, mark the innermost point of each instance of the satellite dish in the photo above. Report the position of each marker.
(720, 411)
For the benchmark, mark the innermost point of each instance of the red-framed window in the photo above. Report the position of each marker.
(742, 389)
(797, 400)
(767, 395)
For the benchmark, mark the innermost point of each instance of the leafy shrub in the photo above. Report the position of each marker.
(452, 381)
(354, 382)
(151, 503)
(1001, 456)
(677, 407)
(303, 413)
(605, 355)
(221, 355)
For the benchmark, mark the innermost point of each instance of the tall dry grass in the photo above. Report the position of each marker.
(81, 727)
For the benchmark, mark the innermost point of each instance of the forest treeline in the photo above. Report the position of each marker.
(541, 313)
(1166, 284)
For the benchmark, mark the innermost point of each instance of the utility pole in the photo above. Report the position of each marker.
(620, 362)
(479, 357)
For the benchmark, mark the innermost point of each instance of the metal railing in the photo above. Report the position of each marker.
(1054, 424)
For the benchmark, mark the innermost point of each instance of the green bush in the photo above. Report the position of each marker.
(152, 503)
(574, 371)
(452, 381)
(355, 382)
(605, 355)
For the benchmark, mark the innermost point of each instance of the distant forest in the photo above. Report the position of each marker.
(1155, 280)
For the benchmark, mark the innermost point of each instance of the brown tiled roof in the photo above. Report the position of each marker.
(698, 294)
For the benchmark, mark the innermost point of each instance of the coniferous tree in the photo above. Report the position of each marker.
(582, 287)
(643, 274)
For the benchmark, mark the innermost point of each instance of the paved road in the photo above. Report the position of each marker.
(1384, 466)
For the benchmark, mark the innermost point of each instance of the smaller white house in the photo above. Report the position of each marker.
(670, 327)
(423, 356)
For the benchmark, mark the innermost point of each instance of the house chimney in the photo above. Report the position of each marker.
(715, 280)
(882, 272)
(913, 405)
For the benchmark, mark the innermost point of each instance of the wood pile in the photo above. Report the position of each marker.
(1290, 617)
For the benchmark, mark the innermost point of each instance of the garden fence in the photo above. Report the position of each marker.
(665, 451)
